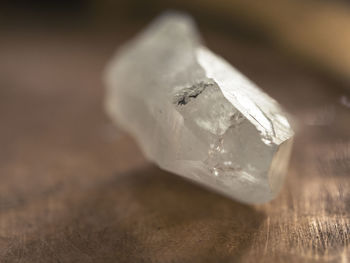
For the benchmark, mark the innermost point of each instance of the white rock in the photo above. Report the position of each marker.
(195, 115)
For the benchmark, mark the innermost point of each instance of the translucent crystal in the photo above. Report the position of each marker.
(195, 115)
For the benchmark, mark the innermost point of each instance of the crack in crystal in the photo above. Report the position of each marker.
(185, 95)
(237, 118)
(269, 120)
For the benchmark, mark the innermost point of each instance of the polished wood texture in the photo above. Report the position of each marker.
(74, 188)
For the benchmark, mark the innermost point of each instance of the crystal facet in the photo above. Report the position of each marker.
(195, 115)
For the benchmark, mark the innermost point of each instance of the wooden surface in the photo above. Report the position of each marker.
(74, 188)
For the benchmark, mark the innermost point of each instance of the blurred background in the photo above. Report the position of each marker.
(317, 31)
(75, 188)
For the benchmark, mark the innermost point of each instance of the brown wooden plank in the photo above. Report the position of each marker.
(76, 189)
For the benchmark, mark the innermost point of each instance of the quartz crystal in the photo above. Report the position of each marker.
(195, 115)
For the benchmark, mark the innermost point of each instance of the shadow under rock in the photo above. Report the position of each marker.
(188, 223)
(144, 216)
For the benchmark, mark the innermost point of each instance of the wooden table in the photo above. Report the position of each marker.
(74, 188)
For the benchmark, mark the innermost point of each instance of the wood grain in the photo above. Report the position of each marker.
(74, 188)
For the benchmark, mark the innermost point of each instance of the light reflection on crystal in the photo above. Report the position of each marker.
(195, 115)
